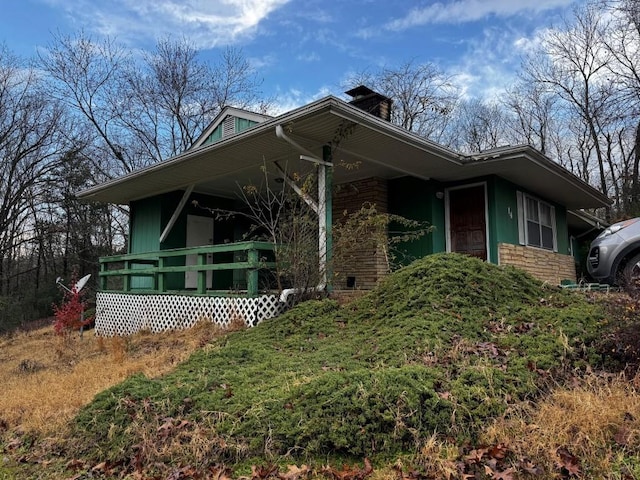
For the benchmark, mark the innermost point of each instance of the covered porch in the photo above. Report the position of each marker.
(149, 272)
(135, 295)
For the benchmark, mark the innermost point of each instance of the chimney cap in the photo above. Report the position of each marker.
(363, 91)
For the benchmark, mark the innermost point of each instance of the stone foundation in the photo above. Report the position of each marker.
(546, 266)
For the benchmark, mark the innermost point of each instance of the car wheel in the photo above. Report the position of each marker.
(631, 273)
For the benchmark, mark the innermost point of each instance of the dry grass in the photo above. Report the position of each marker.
(46, 379)
(597, 421)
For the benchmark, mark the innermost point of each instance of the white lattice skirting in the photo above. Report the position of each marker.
(125, 314)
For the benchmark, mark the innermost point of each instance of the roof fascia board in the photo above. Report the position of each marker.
(589, 219)
(349, 112)
(528, 153)
(317, 106)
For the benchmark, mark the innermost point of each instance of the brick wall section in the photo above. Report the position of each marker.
(367, 265)
(544, 265)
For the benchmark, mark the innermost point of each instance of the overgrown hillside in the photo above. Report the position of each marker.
(443, 346)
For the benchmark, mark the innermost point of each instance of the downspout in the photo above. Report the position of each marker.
(323, 210)
(280, 134)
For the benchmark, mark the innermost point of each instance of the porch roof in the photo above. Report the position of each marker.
(375, 147)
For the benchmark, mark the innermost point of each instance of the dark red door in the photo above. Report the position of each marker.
(468, 222)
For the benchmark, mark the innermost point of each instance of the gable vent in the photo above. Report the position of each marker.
(229, 126)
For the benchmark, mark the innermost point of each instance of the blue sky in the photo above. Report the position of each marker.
(305, 49)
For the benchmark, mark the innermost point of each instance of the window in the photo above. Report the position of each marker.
(537, 222)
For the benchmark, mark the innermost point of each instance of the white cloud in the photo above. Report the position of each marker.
(293, 98)
(461, 11)
(489, 66)
(258, 63)
(207, 23)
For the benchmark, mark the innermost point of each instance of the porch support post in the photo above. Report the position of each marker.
(162, 285)
(252, 272)
(202, 274)
(325, 218)
(176, 213)
(126, 279)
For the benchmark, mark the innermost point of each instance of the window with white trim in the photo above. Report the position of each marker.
(537, 225)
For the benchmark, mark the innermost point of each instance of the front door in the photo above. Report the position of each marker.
(199, 233)
(467, 221)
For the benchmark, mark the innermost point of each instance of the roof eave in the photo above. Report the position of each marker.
(535, 156)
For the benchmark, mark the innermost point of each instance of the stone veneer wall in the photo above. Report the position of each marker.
(366, 265)
(546, 266)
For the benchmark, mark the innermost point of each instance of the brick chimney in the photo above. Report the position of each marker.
(375, 103)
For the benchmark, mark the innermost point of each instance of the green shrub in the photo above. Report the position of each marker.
(441, 346)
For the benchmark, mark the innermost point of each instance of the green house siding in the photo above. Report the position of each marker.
(239, 125)
(214, 136)
(503, 215)
(244, 123)
(144, 226)
(144, 235)
(149, 218)
(564, 246)
(416, 199)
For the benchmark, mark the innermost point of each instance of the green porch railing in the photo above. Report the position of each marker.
(157, 266)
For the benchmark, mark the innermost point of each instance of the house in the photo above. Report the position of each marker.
(509, 205)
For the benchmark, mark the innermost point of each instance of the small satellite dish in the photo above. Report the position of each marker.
(81, 283)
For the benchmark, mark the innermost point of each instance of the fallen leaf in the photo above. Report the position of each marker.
(13, 444)
(568, 461)
(505, 474)
(220, 473)
(529, 467)
(100, 467)
(74, 464)
(349, 472)
(498, 451)
(294, 472)
(622, 436)
(263, 471)
(475, 456)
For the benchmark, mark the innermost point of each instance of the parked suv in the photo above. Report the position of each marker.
(614, 256)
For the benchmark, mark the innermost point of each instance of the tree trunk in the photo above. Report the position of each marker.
(635, 181)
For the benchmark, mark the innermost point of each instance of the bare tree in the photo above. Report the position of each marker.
(534, 111)
(478, 126)
(173, 95)
(143, 111)
(623, 43)
(423, 96)
(30, 147)
(572, 63)
(86, 76)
